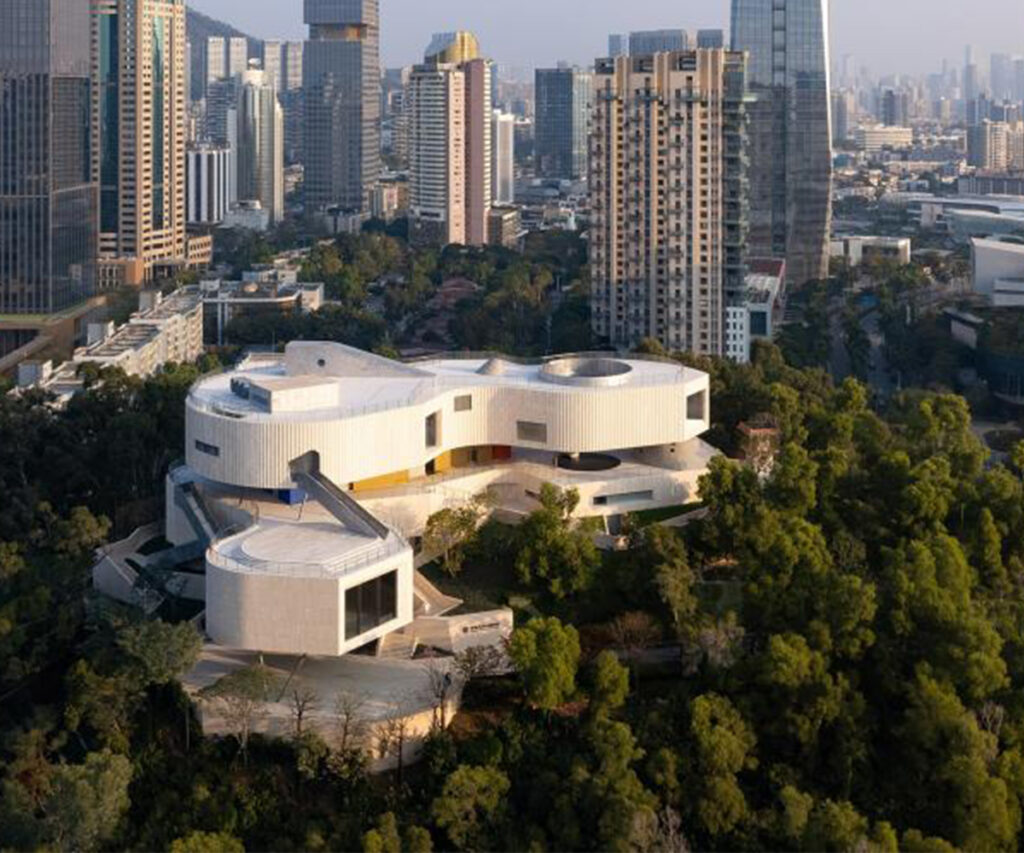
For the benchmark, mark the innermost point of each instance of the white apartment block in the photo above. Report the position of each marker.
(165, 329)
(209, 169)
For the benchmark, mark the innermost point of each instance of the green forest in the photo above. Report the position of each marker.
(845, 637)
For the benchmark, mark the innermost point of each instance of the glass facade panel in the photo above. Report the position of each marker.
(48, 203)
(790, 131)
(371, 605)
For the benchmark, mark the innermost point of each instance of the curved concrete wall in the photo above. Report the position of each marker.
(255, 451)
(294, 615)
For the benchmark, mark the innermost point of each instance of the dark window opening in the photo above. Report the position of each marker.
(695, 406)
(464, 403)
(208, 449)
(431, 430)
(527, 431)
(371, 605)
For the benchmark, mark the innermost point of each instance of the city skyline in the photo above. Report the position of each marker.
(511, 34)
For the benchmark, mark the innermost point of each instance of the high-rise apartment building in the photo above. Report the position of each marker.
(450, 144)
(259, 151)
(667, 198)
(273, 63)
(48, 196)
(503, 144)
(341, 86)
(562, 122)
(238, 55)
(140, 136)
(646, 42)
(993, 145)
(844, 110)
(790, 131)
(435, 100)
(895, 108)
(216, 61)
(618, 45)
(292, 55)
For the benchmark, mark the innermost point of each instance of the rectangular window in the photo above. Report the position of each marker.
(430, 430)
(208, 449)
(371, 605)
(464, 403)
(528, 431)
(695, 406)
(625, 498)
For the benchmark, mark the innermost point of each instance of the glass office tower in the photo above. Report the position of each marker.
(341, 84)
(790, 131)
(562, 122)
(48, 200)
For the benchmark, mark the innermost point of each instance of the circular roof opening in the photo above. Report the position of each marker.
(586, 371)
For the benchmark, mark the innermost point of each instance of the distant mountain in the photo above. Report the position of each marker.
(200, 28)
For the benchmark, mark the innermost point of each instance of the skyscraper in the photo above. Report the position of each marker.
(48, 197)
(562, 122)
(618, 44)
(449, 103)
(341, 85)
(216, 63)
(260, 143)
(710, 38)
(647, 42)
(238, 55)
(790, 131)
(1001, 76)
(503, 141)
(140, 136)
(667, 199)
(273, 63)
(292, 102)
(209, 169)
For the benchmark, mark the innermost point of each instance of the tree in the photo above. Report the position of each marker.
(159, 652)
(207, 842)
(546, 654)
(555, 548)
(722, 748)
(470, 807)
(242, 696)
(634, 632)
(610, 684)
(304, 700)
(385, 837)
(448, 530)
(86, 801)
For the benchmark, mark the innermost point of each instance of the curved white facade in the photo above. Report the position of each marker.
(371, 423)
(305, 472)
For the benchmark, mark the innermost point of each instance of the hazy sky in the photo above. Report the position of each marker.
(886, 35)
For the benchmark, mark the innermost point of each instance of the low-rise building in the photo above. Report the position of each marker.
(875, 138)
(264, 289)
(165, 329)
(998, 271)
(858, 250)
(754, 316)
